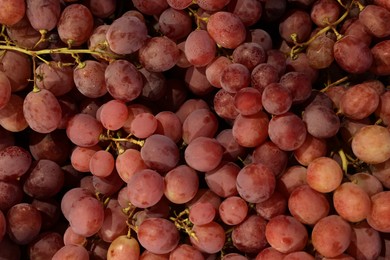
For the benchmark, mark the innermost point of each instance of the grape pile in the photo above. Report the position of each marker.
(194, 129)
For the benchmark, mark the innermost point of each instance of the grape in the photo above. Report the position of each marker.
(14, 162)
(224, 105)
(344, 50)
(292, 177)
(270, 253)
(23, 223)
(128, 163)
(181, 184)
(232, 150)
(160, 153)
(201, 213)
(269, 154)
(169, 124)
(249, 54)
(255, 182)
(276, 99)
(143, 125)
(200, 48)
(12, 11)
(113, 114)
(320, 52)
(84, 130)
(233, 210)
(324, 12)
(301, 64)
(287, 131)
(367, 181)
(286, 234)
(5, 87)
(376, 19)
(11, 193)
(378, 216)
(307, 205)
(359, 101)
(150, 235)
(383, 109)
(175, 24)
(124, 82)
(273, 206)
(247, 101)
(45, 246)
(184, 251)
(81, 156)
(86, 216)
(261, 37)
(380, 65)
(71, 252)
(222, 180)
(75, 24)
(43, 15)
(89, 79)
(324, 174)
(154, 7)
(209, 238)
(365, 242)
(42, 111)
(248, 11)
(123, 247)
(69, 108)
(235, 77)
(251, 131)
(189, 106)
(356, 28)
(321, 121)
(331, 236)
(50, 212)
(196, 81)
(203, 154)
(351, 202)
(296, 22)
(199, 123)
(114, 224)
(158, 54)
(371, 144)
(17, 67)
(299, 85)
(226, 29)
(205, 195)
(133, 110)
(45, 179)
(101, 9)
(145, 188)
(102, 163)
(311, 149)
(98, 41)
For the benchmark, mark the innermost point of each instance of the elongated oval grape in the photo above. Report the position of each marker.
(43, 14)
(200, 49)
(175, 24)
(42, 111)
(90, 80)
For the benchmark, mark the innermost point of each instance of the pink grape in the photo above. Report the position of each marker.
(12, 116)
(215, 68)
(13, 12)
(324, 174)
(200, 49)
(185, 251)
(222, 180)
(71, 251)
(181, 184)
(102, 163)
(201, 213)
(84, 130)
(128, 163)
(113, 114)
(251, 131)
(273, 206)
(378, 216)
(89, 79)
(233, 210)
(15, 161)
(201, 122)
(210, 237)
(143, 125)
(235, 77)
(124, 247)
(203, 154)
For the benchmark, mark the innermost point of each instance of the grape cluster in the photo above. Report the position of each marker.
(206, 129)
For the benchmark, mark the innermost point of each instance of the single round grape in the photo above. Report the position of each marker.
(378, 216)
(273, 206)
(81, 156)
(201, 122)
(320, 52)
(150, 235)
(376, 19)
(298, 22)
(169, 124)
(196, 81)
(371, 144)
(201, 213)
(249, 12)
(160, 153)
(380, 65)
(84, 130)
(286, 234)
(299, 84)
(250, 54)
(249, 236)
(235, 77)
(45, 246)
(154, 7)
(102, 9)
(158, 54)
(113, 114)
(114, 224)
(321, 121)
(75, 24)
(276, 99)
(324, 12)
(203, 154)
(251, 131)
(17, 67)
(42, 111)
(255, 182)
(145, 188)
(311, 149)
(175, 24)
(181, 184)
(12, 11)
(128, 163)
(143, 125)
(324, 174)
(365, 242)
(222, 180)
(89, 79)
(71, 252)
(209, 238)
(224, 105)
(330, 231)
(123, 247)
(200, 49)
(226, 29)
(233, 210)
(11, 116)
(102, 163)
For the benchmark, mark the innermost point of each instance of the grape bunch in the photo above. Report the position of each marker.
(194, 129)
